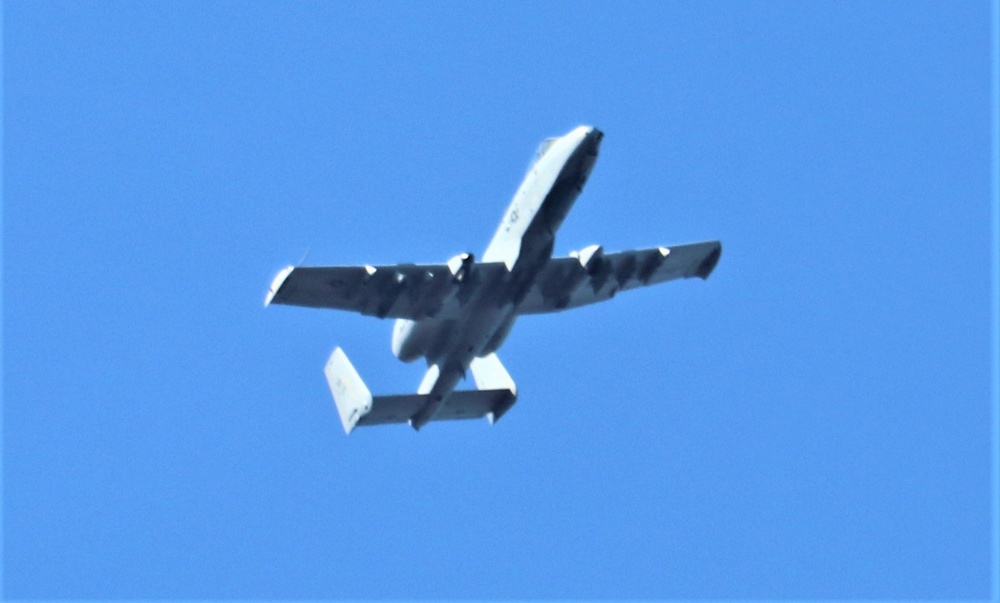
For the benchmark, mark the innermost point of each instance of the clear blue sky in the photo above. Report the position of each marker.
(811, 422)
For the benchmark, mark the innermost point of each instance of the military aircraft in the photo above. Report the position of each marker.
(457, 314)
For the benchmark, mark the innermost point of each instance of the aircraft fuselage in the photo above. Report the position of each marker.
(524, 242)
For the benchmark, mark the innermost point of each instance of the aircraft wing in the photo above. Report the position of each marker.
(412, 291)
(577, 281)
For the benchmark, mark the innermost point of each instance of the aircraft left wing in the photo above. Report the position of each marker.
(412, 291)
(592, 276)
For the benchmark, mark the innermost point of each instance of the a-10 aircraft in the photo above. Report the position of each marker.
(457, 314)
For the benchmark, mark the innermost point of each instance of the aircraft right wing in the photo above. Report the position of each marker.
(592, 276)
(412, 291)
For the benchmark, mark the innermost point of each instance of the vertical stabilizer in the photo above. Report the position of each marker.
(349, 392)
(490, 375)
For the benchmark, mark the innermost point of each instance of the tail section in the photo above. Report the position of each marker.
(352, 397)
(490, 375)
(357, 407)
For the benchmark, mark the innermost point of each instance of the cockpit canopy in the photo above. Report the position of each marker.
(543, 148)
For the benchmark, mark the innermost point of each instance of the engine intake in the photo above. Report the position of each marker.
(461, 267)
(591, 258)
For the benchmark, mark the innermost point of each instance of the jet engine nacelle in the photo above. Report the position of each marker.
(404, 343)
(595, 270)
(591, 258)
(461, 266)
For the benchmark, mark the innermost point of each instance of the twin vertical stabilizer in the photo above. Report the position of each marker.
(350, 393)
(490, 375)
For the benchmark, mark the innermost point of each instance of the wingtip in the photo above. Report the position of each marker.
(276, 284)
(708, 264)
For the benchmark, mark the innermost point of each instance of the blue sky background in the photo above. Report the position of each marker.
(811, 422)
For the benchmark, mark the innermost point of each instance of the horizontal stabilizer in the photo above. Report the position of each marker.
(358, 408)
(465, 404)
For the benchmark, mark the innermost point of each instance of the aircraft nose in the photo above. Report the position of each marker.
(586, 153)
(593, 139)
